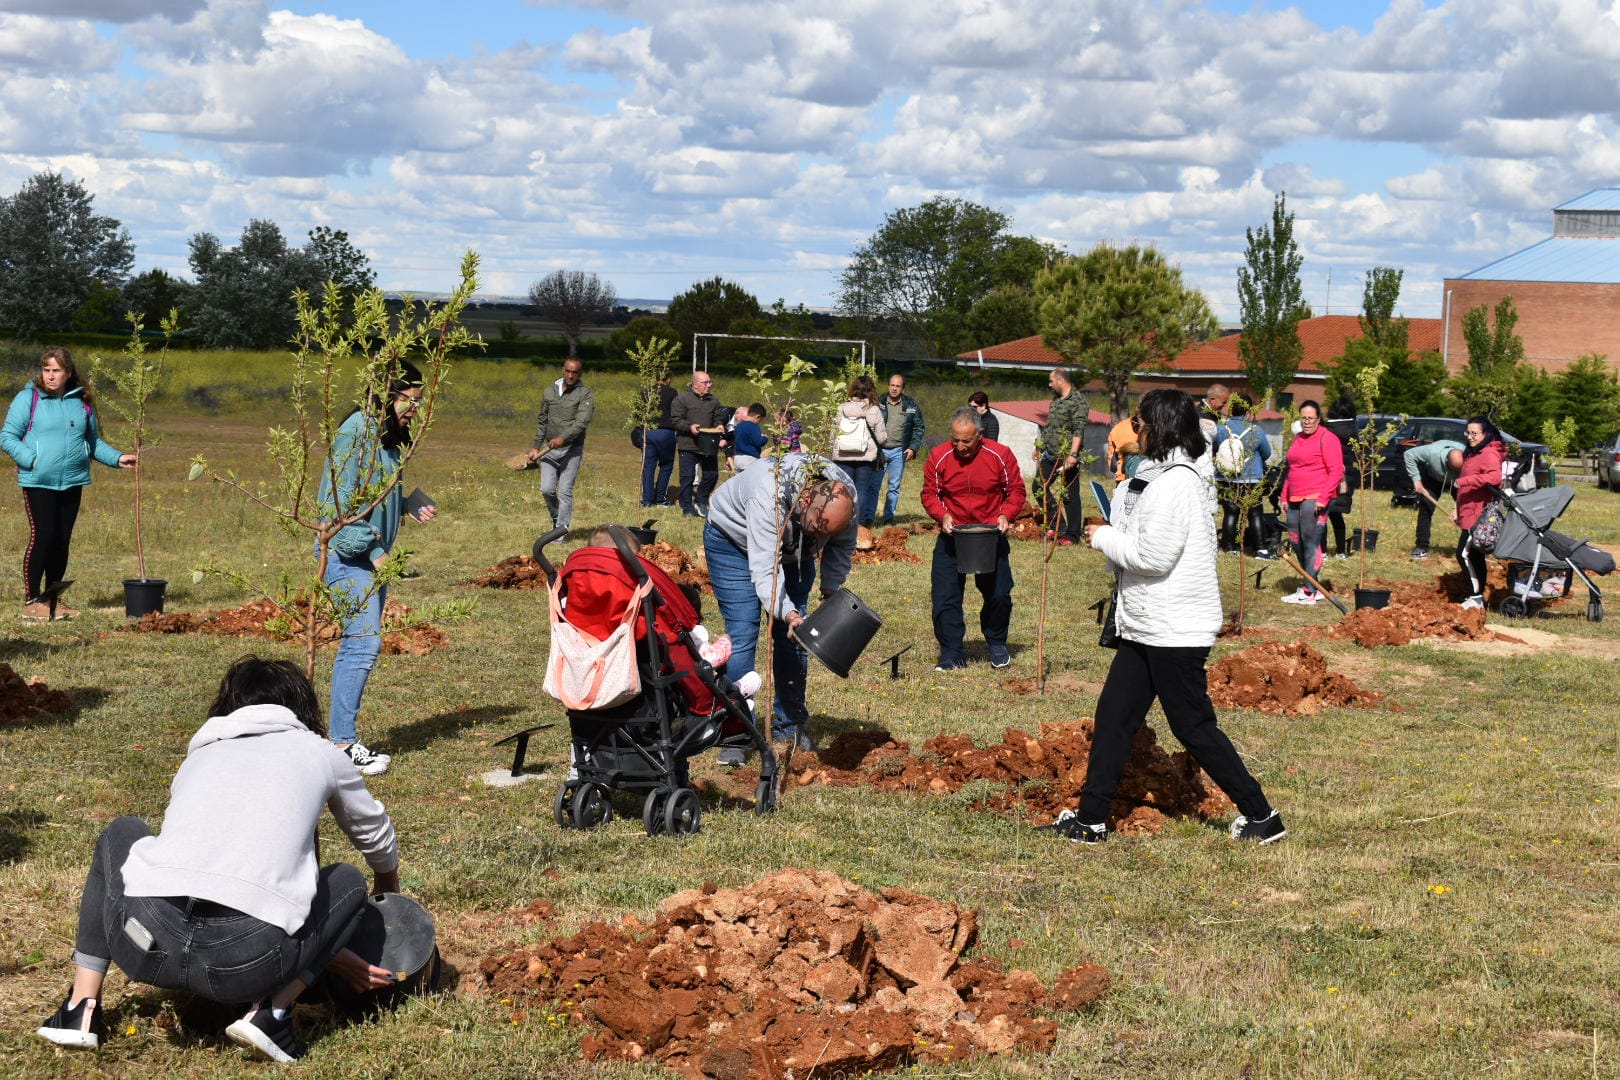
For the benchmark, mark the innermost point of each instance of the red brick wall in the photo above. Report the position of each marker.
(1559, 321)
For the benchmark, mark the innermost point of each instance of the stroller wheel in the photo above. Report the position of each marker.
(1594, 610)
(563, 808)
(765, 797)
(682, 814)
(1513, 607)
(652, 811)
(592, 807)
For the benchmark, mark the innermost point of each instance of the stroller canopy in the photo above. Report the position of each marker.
(1528, 528)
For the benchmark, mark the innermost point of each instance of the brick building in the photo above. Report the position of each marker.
(1566, 288)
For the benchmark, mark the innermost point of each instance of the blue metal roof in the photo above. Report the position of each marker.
(1601, 199)
(1559, 258)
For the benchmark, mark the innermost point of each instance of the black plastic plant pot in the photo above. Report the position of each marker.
(397, 933)
(143, 596)
(1372, 598)
(976, 548)
(838, 631)
(1363, 538)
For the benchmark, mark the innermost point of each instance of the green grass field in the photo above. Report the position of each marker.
(1445, 904)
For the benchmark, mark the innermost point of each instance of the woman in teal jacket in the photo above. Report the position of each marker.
(51, 433)
(366, 454)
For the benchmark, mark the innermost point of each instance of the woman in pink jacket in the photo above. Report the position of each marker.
(1315, 467)
(1477, 481)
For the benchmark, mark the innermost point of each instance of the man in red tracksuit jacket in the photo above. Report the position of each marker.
(971, 481)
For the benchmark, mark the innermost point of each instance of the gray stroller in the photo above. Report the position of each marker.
(1542, 564)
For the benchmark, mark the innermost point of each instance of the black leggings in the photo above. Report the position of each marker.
(51, 515)
(1472, 561)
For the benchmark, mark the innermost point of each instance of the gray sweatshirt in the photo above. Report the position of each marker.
(748, 510)
(240, 827)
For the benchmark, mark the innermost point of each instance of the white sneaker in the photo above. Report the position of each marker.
(1300, 597)
(1473, 603)
(367, 761)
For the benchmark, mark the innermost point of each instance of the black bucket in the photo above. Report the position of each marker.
(708, 442)
(143, 596)
(1367, 538)
(1372, 598)
(838, 631)
(976, 548)
(396, 933)
(644, 533)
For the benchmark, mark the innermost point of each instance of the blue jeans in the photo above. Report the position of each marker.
(658, 467)
(996, 588)
(868, 476)
(740, 608)
(362, 641)
(214, 951)
(894, 467)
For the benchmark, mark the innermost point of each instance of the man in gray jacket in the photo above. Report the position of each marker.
(903, 420)
(764, 535)
(566, 409)
(1426, 466)
(693, 411)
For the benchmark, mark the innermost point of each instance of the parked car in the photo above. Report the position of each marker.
(1608, 463)
(1390, 474)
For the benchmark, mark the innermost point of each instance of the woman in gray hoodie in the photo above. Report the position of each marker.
(229, 901)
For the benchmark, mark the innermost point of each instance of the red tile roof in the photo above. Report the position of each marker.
(1036, 411)
(1323, 337)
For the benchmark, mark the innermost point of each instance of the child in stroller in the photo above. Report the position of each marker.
(676, 704)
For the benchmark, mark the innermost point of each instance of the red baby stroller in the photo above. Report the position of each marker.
(684, 707)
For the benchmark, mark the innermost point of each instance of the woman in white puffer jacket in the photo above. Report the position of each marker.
(1161, 543)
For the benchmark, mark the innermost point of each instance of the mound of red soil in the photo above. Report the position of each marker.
(1418, 610)
(1042, 776)
(1289, 678)
(678, 564)
(23, 699)
(891, 547)
(518, 572)
(801, 973)
(267, 619)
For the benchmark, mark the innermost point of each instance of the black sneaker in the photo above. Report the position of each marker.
(265, 1035)
(797, 737)
(1069, 826)
(1000, 657)
(73, 1027)
(1265, 556)
(1261, 830)
(731, 757)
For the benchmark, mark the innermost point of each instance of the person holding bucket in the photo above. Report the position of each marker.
(229, 901)
(698, 417)
(766, 530)
(972, 486)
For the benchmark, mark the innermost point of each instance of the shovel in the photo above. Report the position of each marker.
(1317, 585)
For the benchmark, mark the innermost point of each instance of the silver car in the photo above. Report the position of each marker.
(1608, 463)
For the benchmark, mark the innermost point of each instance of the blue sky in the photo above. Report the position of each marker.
(660, 144)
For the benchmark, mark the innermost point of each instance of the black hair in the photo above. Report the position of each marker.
(1344, 408)
(402, 376)
(1237, 405)
(253, 680)
(1169, 422)
(1311, 403)
(757, 410)
(1492, 434)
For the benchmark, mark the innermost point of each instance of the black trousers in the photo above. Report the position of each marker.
(51, 516)
(1070, 509)
(700, 472)
(1425, 521)
(1232, 513)
(948, 586)
(1176, 677)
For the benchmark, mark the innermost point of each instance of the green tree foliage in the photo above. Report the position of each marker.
(340, 261)
(1413, 385)
(243, 298)
(1005, 313)
(1272, 303)
(54, 248)
(101, 310)
(157, 291)
(926, 266)
(635, 334)
(572, 298)
(1116, 311)
(1409, 385)
(1588, 393)
(709, 307)
(1492, 349)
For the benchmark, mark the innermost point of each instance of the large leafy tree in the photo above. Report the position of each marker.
(54, 250)
(243, 298)
(1588, 392)
(1116, 311)
(1272, 303)
(155, 293)
(926, 266)
(709, 307)
(1495, 382)
(572, 298)
(1492, 349)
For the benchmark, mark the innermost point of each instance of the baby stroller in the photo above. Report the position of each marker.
(1541, 563)
(684, 706)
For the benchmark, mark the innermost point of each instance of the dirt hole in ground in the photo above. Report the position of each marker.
(1288, 678)
(24, 699)
(801, 973)
(890, 547)
(1041, 775)
(267, 619)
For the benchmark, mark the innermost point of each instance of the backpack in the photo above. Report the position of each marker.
(1234, 453)
(854, 436)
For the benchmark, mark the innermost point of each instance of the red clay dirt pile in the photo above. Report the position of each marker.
(1288, 678)
(685, 568)
(801, 973)
(23, 699)
(890, 547)
(518, 572)
(522, 572)
(267, 619)
(1042, 776)
(1418, 610)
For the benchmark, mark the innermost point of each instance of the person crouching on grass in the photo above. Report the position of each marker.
(1161, 544)
(228, 901)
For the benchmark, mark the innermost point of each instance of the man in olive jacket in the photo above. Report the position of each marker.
(692, 410)
(903, 420)
(566, 409)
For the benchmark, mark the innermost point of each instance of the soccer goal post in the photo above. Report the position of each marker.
(700, 345)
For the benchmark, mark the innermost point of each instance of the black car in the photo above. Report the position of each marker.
(1411, 431)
